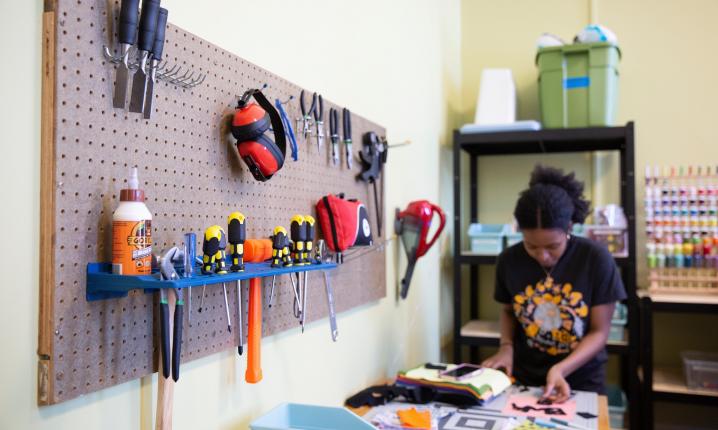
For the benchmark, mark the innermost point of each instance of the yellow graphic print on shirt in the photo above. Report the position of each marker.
(551, 315)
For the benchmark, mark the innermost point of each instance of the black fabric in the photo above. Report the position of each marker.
(554, 317)
(381, 394)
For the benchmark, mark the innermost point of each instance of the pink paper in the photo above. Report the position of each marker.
(568, 407)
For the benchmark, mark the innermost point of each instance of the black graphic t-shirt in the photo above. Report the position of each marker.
(554, 312)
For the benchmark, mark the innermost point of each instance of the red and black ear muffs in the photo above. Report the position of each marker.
(263, 156)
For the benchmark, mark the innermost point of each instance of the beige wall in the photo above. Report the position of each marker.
(393, 62)
(409, 66)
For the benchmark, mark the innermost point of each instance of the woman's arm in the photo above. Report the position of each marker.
(588, 347)
(505, 355)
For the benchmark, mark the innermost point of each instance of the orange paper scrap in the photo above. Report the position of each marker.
(413, 419)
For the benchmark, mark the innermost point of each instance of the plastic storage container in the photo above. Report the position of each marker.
(701, 369)
(293, 416)
(512, 238)
(487, 239)
(617, 405)
(578, 84)
(618, 322)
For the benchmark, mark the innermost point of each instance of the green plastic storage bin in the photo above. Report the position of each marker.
(578, 84)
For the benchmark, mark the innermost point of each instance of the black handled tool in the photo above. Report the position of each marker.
(298, 234)
(309, 245)
(164, 333)
(334, 134)
(177, 336)
(373, 157)
(307, 114)
(157, 49)
(126, 32)
(237, 234)
(347, 122)
(319, 121)
(168, 272)
(145, 42)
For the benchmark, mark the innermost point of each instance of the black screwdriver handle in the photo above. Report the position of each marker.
(148, 24)
(159, 44)
(177, 341)
(165, 336)
(128, 21)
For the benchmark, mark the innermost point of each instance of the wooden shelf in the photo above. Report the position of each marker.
(486, 332)
(688, 298)
(671, 380)
(690, 303)
(481, 328)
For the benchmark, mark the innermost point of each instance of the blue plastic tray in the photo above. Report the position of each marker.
(103, 284)
(294, 416)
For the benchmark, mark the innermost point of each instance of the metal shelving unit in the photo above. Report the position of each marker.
(475, 332)
(668, 383)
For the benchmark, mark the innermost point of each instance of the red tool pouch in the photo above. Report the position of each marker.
(344, 223)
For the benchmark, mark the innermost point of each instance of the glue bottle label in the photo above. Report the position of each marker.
(132, 246)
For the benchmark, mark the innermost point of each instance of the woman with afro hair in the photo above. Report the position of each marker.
(557, 292)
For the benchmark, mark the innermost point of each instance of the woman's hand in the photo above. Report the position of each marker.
(557, 389)
(504, 358)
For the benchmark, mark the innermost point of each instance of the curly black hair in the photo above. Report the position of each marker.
(552, 200)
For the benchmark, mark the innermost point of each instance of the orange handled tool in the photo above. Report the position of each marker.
(255, 250)
(254, 335)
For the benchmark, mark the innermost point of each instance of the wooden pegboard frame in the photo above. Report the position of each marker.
(192, 177)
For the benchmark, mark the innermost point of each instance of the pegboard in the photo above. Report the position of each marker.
(192, 177)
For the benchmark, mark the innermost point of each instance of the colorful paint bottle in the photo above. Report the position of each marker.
(132, 232)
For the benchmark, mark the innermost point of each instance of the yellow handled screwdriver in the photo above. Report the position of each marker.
(237, 235)
(298, 233)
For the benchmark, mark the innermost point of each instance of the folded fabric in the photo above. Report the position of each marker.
(476, 390)
(413, 419)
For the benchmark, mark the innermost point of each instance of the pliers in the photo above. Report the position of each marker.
(347, 119)
(334, 134)
(168, 272)
(307, 114)
(319, 120)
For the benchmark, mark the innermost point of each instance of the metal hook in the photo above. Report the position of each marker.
(197, 82)
(164, 75)
(171, 75)
(176, 80)
(108, 55)
(287, 101)
(184, 79)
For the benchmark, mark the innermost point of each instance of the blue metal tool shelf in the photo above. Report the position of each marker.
(103, 284)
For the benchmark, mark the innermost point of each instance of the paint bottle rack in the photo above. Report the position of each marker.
(684, 280)
(103, 284)
(681, 206)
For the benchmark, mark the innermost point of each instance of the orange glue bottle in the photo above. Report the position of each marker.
(132, 231)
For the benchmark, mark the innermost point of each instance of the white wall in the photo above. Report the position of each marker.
(393, 62)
